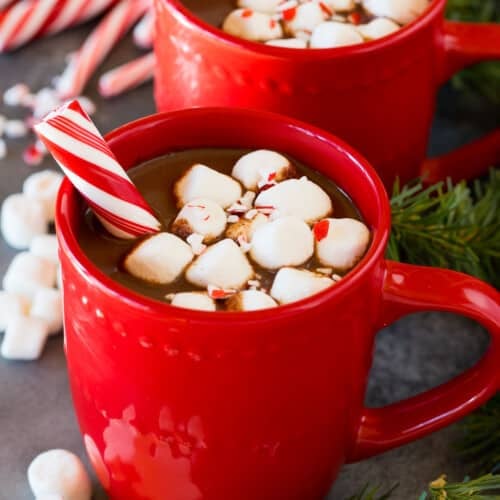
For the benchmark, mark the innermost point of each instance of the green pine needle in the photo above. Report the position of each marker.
(483, 488)
(373, 493)
(451, 226)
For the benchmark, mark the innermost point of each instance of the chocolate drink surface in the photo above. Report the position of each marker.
(156, 179)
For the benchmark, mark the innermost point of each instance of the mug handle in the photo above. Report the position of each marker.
(462, 45)
(408, 289)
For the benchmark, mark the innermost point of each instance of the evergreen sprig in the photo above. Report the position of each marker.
(483, 488)
(451, 226)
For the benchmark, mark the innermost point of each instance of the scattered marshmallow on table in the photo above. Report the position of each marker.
(288, 43)
(45, 245)
(332, 34)
(377, 28)
(44, 186)
(262, 167)
(194, 300)
(201, 181)
(15, 129)
(202, 216)
(24, 338)
(252, 25)
(222, 265)
(401, 11)
(250, 300)
(27, 273)
(22, 219)
(304, 18)
(266, 6)
(47, 305)
(159, 259)
(298, 197)
(11, 306)
(59, 472)
(287, 241)
(292, 284)
(340, 243)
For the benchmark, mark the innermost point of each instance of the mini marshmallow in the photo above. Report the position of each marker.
(340, 243)
(24, 338)
(252, 25)
(159, 259)
(266, 6)
(201, 181)
(332, 34)
(44, 186)
(59, 472)
(401, 11)
(3, 149)
(298, 197)
(22, 219)
(250, 300)
(11, 306)
(287, 241)
(194, 300)
(15, 95)
(245, 228)
(304, 18)
(340, 5)
(222, 265)
(289, 43)
(292, 284)
(15, 129)
(201, 216)
(262, 167)
(377, 28)
(47, 305)
(28, 273)
(45, 245)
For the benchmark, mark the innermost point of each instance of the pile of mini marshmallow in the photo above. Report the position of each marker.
(30, 303)
(319, 24)
(279, 223)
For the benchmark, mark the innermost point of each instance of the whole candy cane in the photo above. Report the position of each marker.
(127, 76)
(98, 45)
(85, 157)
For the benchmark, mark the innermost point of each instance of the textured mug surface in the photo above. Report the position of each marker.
(182, 405)
(378, 96)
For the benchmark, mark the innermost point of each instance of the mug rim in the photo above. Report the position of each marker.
(406, 31)
(68, 242)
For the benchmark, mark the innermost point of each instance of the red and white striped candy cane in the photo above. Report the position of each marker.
(127, 76)
(144, 32)
(85, 157)
(98, 45)
(5, 3)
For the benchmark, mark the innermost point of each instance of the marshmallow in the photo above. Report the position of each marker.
(289, 43)
(245, 228)
(252, 25)
(28, 273)
(15, 129)
(159, 259)
(22, 219)
(304, 18)
(340, 243)
(250, 300)
(401, 11)
(44, 186)
(262, 167)
(47, 305)
(377, 28)
(201, 181)
(24, 338)
(59, 472)
(340, 5)
(45, 245)
(222, 265)
(15, 95)
(291, 284)
(298, 197)
(11, 306)
(194, 300)
(201, 216)
(287, 241)
(332, 34)
(266, 6)
(3, 149)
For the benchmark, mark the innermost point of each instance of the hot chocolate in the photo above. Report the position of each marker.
(241, 230)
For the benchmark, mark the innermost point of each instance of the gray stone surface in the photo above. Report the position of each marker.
(413, 355)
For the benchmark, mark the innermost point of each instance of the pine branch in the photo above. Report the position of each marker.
(483, 488)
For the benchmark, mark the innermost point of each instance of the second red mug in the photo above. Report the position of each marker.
(378, 96)
(180, 404)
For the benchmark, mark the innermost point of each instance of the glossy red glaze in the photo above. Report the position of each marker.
(379, 96)
(267, 405)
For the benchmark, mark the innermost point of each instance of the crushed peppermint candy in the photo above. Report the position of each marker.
(251, 214)
(244, 244)
(217, 293)
(254, 283)
(15, 129)
(336, 277)
(233, 218)
(3, 149)
(195, 241)
(16, 95)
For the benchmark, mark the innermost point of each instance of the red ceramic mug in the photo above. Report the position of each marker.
(183, 405)
(379, 96)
